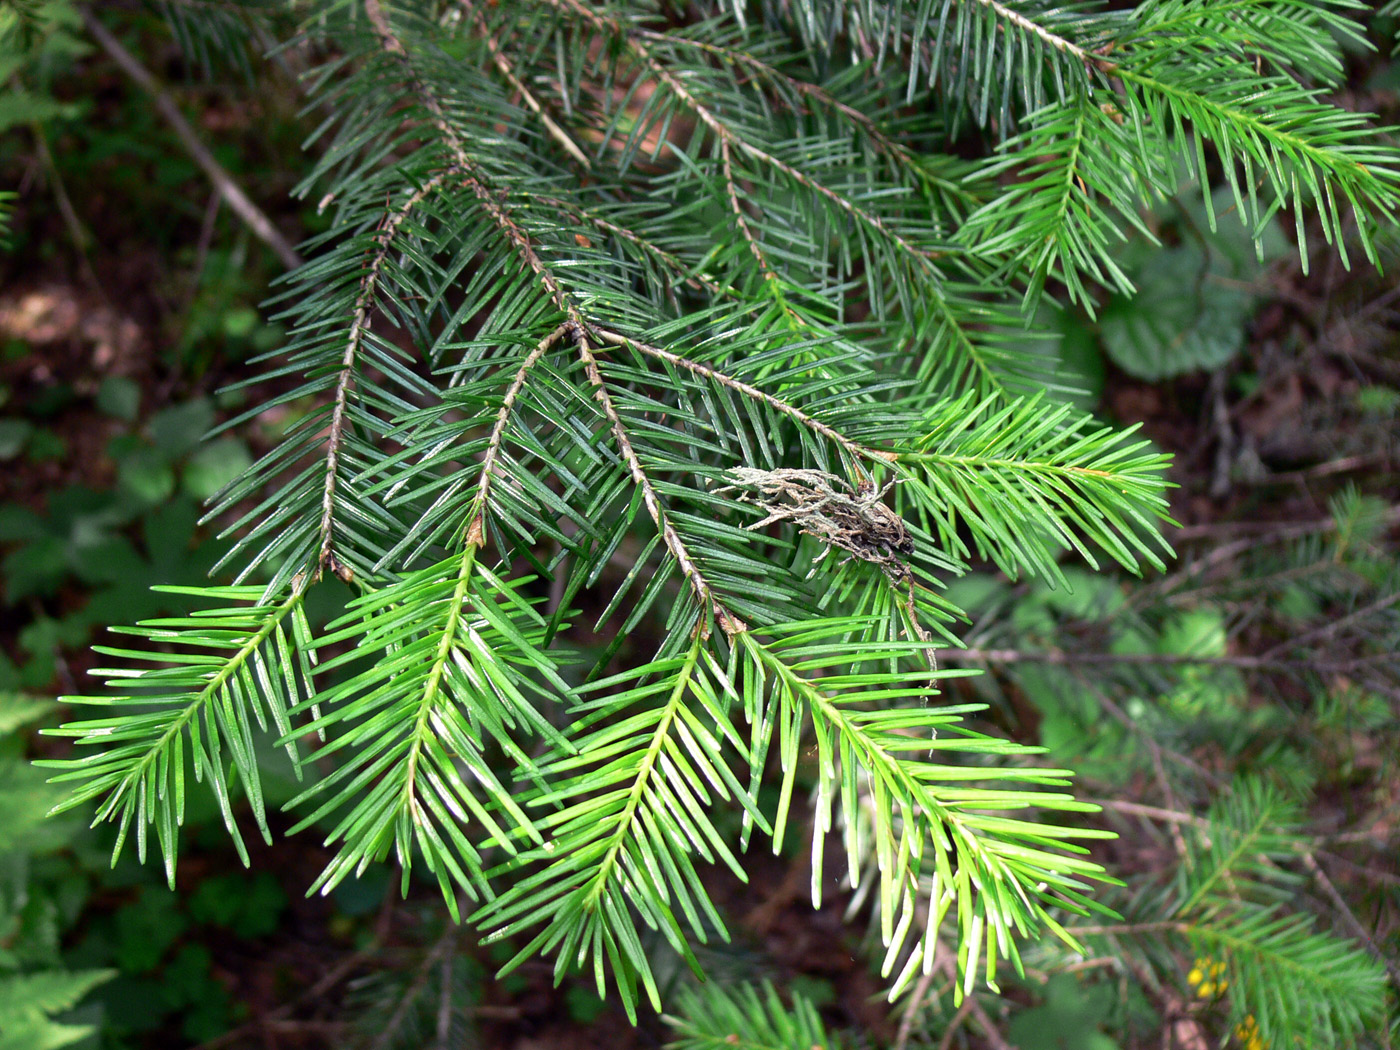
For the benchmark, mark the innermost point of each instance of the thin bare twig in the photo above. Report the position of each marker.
(1248, 663)
(951, 1032)
(915, 1004)
(242, 205)
(1332, 628)
(1224, 438)
(1344, 465)
(444, 947)
(76, 230)
(1385, 878)
(1258, 533)
(1379, 837)
(1127, 929)
(1136, 809)
(945, 962)
(444, 1010)
(282, 1015)
(989, 1027)
(1349, 918)
(202, 246)
(1160, 772)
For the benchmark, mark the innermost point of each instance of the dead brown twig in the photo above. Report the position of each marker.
(1245, 663)
(241, 204)
(945, 963)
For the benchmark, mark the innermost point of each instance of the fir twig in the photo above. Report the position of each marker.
(359, 325)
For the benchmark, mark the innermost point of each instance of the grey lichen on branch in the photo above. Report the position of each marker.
(826, 507)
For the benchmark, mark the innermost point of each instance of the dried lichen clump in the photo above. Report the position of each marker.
(827, 507)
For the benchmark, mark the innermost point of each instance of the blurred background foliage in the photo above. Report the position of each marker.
(1248, 699)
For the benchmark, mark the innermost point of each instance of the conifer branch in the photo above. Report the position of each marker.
(627, 824)
(856, 450)
(650, 497)
(1277, 129)
(735, 356)
(472, 175)
(502, 63)
(577, 328)
(921, 259)
(476, 517)
(698, 281)
(214, 677)
(741, 221)
(883, 142)
(1026, 25)
(728, 136)
(359, 325)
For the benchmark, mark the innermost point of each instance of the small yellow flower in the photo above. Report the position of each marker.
(1206, 976)
(1247, 1034)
